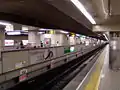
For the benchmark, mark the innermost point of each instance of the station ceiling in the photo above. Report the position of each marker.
(114, 12)
(54, 14)
(107, 11)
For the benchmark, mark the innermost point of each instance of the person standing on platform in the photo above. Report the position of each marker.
(41, 44)
(21, 45)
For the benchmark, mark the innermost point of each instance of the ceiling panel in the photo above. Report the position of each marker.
(69, 9)
(115, 7)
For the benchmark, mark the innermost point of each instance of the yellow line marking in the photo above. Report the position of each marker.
(94, 80)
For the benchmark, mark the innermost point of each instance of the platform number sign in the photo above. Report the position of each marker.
(23, 74)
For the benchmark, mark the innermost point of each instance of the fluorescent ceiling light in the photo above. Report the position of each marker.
(64, 32)
(43, 29)
(40, 32)
(13, 33)
(79, 5)
(78, 35)
(4, 23)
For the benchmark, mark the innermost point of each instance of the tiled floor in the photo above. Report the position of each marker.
(110, 79)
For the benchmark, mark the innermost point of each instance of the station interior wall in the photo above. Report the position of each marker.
(61, 38)
(19, 38)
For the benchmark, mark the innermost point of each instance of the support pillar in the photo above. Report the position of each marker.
(2, 38)
(72, 40)
(34, 38)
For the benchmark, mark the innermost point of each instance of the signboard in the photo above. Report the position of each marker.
(23, 74)
(25, 42)
(23, 77)
(69, 49)
(23, 71)
(72, 49)
(47, 42)
(9, 42)
(66, 50)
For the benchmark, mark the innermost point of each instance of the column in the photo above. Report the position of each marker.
(64, 40)
(34, 38)
(72, 40)
(78, 40)
(2, 38)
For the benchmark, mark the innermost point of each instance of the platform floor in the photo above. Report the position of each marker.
(91, 80)
(110, 79)
(104, 78)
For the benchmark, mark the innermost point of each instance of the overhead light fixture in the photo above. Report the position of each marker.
(43, 29)
(4, 23)
(78, 35)
(64, 32)
(14, 33)
(79, 5)
(41, 32)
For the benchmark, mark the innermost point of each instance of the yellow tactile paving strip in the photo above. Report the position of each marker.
(93, 82)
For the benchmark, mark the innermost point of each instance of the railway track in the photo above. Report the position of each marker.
(58, 78)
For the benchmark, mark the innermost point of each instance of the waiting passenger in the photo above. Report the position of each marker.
(35, 47)
(41, 44)
(21, 45)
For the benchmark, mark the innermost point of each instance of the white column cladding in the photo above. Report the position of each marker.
(72, 40)
(2, 38)
(34, 38)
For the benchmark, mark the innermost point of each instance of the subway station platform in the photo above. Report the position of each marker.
(60, 45)
(101, 76)
(110, 77)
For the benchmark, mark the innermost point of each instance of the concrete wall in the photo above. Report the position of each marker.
(61, 38)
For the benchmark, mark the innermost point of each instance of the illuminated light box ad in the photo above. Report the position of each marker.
(25, 42)
(9, 42)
